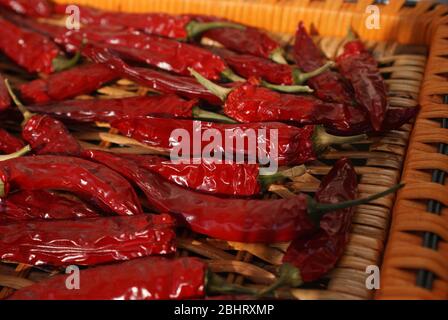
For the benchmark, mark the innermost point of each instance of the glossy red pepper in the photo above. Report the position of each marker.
(90, 181)
(88, 241)
(108, 110)
(180, 27)
(9, 143)
(153, 278)
(42, 204)
(157, 80)
(317, 255)
(242, 220)
(83, 80)
(361, 69)
(32, 51)
(31, 8)
(295, 146)
(5, 100)
(329, 86)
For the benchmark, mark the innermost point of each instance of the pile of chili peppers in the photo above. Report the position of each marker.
(62, 203)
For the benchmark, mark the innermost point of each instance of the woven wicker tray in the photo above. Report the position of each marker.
(379, 161)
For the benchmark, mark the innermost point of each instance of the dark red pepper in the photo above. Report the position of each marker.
(86, 179)
(31, 8)
(5, 100)
(42, 204)
(317, 255)
(153, 278)
(329, 86)
(180, 27)
(157, 80)
(83, 80)
(108, 110)
(9, 143)
(361, 69)
(88, 241)
(32, 51)
(242, 220)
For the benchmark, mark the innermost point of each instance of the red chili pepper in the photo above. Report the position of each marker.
(152, 278)
(83, 80)
(31, 8)
(5, 100)
(9, 143)
(108, 110)
(361, 69)
(295, 146)
(316, 256)
(242, 220)
(329, 85)
(32, 51)
(88, 241)
(157, 80)
(42, 204)
(180, 27)
(88, 180)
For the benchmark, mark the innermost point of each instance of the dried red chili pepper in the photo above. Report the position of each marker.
(152, 278)
(101, 240)
(328, 86)
(32, 51)
(86, 179)
(249, 66)
(361, 69)
(83, 80)
(42, 204)
(181, 27)
(5, 100)
(31, 8)
(9, 143)
(242, 220)
(157, 80)
(295, 146)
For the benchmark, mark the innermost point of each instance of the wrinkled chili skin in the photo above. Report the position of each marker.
(158, 52)
(165, 25)
(152, 278)
(317, 255)
(160, 81)
(251, 41)
(48, 136)
(248, 66)
(42, 204)
(32, 51)
(59, 243)
(5, 100)
(108, 110)
(231, 219)
(9, 143)
(361, 69)
(250, 102)
(215, 178)
(295, 145)
(329, 85)
(88, 180)
(30, 8)
(83, 80)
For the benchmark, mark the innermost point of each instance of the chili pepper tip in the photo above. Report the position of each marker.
(217, 90)
(195, 28)
(278, 56)
(289, 276)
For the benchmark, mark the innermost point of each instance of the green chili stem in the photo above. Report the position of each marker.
(288, 276)
(230, 75)
(266, 180)
(201, 114)
(24, 111)
(216, 284)
(287, 89)
(195, 28)
(300, 78)
(217, 90)
(322, 140)
(61, 63)
(278, 56)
